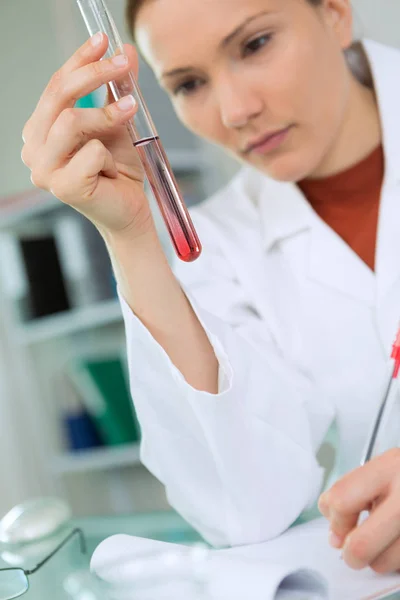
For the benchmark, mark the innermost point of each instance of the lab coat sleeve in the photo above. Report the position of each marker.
(239, 465)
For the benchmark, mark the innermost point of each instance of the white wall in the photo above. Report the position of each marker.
(378, 19)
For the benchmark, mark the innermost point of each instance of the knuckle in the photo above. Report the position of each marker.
(67, 124)
(55, 83)
(25, 132)
(109, 115)
(97, 68)
(68, 118)
(58, 189)
(97, 147)
(25, 157)
(36, 179)
(337, 499)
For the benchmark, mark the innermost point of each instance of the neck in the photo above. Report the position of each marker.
(359, 135)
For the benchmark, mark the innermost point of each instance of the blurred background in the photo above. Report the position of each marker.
(67, 426)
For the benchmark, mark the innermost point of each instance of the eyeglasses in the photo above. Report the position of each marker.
(14, 582)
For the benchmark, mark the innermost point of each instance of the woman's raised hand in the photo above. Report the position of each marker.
(85, 156)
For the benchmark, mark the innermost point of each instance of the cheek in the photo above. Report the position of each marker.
(303, 82)
(312, 96)
(320, 93)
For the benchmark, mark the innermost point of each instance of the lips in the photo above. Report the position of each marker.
(267, 141)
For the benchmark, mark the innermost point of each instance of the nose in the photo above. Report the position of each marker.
(238, 103)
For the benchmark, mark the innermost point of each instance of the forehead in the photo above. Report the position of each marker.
(170, 32)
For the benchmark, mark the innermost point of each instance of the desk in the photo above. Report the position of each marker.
(68, 567)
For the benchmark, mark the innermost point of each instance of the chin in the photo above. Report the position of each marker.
(287, 168)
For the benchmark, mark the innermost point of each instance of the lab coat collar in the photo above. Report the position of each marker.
(282, 207)
(284, 211)
(385, 65)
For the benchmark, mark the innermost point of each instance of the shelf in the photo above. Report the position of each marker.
(98, 459)
(73, 321)
(16, 209)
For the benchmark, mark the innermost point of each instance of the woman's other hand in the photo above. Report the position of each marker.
(375, 487)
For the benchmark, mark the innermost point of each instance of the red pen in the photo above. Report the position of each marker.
(396, 368)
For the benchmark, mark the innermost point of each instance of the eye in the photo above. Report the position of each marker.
(256, 44)
(187, 87)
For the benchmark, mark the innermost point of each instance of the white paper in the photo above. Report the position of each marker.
(299, 565)
(308, 545)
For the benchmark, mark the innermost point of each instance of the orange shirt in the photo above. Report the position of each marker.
(349, 203)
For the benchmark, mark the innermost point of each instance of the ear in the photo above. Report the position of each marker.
(338, 15)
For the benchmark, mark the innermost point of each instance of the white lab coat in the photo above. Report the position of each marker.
(302, 329)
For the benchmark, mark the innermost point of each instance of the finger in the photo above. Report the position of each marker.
(80, 83)
(375, 535)
(78, 181)
(77, 84)
(76, 126)
(93, 49)
(355, 493)
(388, 561)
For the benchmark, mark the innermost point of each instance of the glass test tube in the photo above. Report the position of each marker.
(146, 141)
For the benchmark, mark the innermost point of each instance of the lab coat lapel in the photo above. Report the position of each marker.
(385, 65)
(328, 260)
(334, 264)
(262, 273)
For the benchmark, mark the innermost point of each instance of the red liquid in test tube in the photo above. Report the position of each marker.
(165, 188)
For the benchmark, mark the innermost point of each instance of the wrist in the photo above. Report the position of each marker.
(137, 232)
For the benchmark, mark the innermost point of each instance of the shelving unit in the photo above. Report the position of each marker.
(36, 351)
(66, 323)
(39, 347)
(98, 459)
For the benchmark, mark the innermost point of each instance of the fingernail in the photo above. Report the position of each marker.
(126, 103)
(97, 39)
(120, 60)
(335, 540)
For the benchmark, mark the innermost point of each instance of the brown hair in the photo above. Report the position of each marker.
(131, 11)
(133, 6)
(355, 55)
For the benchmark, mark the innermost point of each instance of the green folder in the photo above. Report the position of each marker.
(102, 383)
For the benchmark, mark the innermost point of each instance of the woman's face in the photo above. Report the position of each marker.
(265, 79)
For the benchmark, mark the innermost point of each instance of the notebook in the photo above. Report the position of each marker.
(299, 565)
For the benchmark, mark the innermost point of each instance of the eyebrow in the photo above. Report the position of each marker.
(225, 42)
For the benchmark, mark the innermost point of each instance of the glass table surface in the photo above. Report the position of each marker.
(67, 573)
(67, 577)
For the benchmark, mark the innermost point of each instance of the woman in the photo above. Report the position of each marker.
(286, 320)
